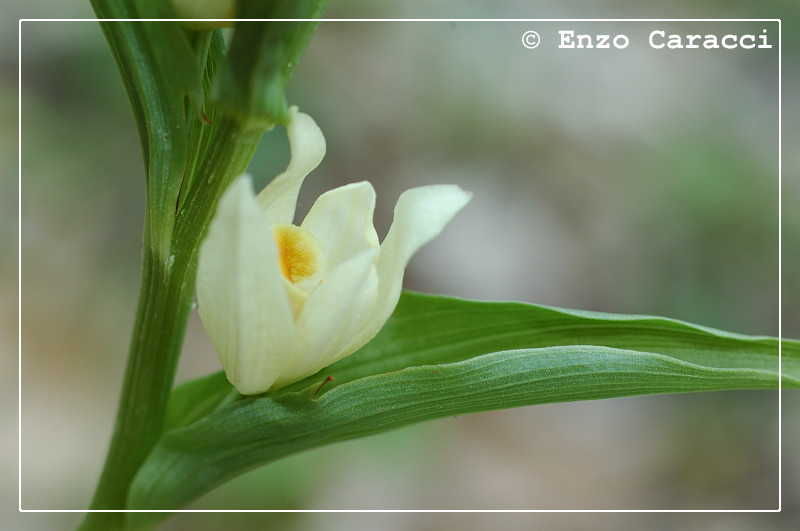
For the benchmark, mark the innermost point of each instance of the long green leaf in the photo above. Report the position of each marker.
(428, 330)
(439, 357)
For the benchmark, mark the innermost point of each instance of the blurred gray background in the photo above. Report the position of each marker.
(631, 181)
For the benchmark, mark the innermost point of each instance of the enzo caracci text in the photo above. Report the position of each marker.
(659, 39)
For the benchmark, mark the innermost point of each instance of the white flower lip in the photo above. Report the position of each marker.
(281, 302)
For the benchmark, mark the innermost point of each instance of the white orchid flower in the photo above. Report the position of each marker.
(280, 301)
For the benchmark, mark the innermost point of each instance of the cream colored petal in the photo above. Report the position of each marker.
(241, 298)
(419, 216)
(341, 220)
(307, 144)
(333, 313)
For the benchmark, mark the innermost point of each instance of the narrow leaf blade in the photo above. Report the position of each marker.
(439, 357)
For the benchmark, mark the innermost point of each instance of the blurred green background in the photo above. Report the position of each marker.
(631, 181)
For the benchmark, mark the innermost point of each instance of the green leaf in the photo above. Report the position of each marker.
(427, 330)
(197, 398)
(209, 46)
(262, 58)
(440, 357)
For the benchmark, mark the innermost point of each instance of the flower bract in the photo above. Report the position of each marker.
(205, 9)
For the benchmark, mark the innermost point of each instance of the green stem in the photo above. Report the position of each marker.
(165, 301)
(188, 167)
(164, 305)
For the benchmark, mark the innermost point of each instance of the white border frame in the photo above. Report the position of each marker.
(780, 271)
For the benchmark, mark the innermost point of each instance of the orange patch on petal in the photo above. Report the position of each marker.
(301, 255)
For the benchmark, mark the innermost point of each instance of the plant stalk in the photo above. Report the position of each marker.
(165, 301)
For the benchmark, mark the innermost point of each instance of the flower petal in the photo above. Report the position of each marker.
(341, 220)
(419, 216)
(241, 298)
(333, 313)
(307, 144)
